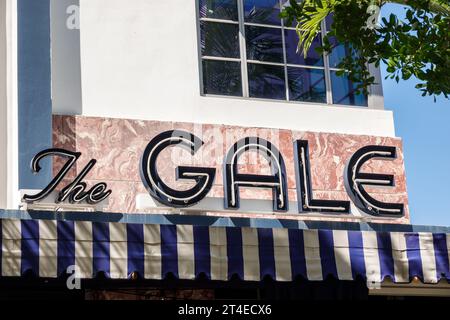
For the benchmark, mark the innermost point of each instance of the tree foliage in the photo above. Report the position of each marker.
(417, 46)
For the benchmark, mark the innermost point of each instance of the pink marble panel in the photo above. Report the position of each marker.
(118, 144)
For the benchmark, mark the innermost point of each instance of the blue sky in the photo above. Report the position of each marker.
(424, 127)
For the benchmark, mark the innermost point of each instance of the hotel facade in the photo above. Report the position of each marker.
(185, 149)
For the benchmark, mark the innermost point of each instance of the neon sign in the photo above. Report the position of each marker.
(355, 180)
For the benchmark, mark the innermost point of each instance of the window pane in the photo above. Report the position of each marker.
(340, 51)
(222, 77)
(262, 11)
(307, 85)
(329, 21)
(219, 9)
(284, 4)
(294, 57)
(264, 44)
(220, 39)
(344, 91)
(266, 81)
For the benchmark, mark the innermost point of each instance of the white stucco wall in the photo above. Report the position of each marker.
(139, 60)
(3, 104)
(66, 71)
(8, 105)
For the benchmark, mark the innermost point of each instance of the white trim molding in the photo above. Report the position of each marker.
(8, 105)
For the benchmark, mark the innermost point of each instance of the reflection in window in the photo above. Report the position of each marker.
(219, 9)
(340, 51)
(257, 56)
(220, 39)
(266, 81)
(264, 44)
(294, 56)
(262, 11)
(329, 21)
(222, 78)
(344, 91)
(307, 85)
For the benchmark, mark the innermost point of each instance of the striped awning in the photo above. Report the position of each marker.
(48, 247)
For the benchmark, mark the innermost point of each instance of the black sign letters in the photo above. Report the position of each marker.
(74, 192)
(232, 179)
(355, 180)
(204, 177)
(306, 203)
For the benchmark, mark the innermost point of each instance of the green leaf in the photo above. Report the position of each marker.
(418, 46)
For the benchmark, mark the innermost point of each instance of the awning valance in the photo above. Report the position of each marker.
(48, 247)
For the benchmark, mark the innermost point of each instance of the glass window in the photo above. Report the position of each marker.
(329, 22)
(219, 9)
(307, 85)
(222, 78)
(220, 39)
(340, 51)
(262, 11)
(266, 81)
(344, 91)
(264, 44)
(285, 3)
(256, 55)
(294, 56)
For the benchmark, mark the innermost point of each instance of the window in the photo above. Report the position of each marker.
(248, 51)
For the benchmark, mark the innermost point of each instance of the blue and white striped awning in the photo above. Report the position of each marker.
(48, 247)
